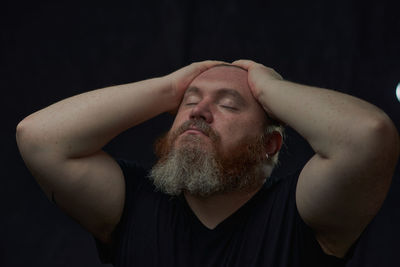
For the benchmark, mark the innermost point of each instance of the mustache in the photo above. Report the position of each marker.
(164, 144)
(200, 125)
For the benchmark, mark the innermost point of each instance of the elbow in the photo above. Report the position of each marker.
(381, 135)
(386, 131)
(21, 129)
(21, 139)
(25, 136)
(21, 132)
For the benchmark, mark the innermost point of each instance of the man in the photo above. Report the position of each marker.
(215, 162)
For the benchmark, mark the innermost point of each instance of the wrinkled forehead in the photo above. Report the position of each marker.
(223, 77)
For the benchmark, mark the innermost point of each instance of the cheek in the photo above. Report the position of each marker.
(230, 132)
(238, 130)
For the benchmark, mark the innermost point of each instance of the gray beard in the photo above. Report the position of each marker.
(188, 167)
(195, 169)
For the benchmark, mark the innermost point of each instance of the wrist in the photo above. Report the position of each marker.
(265, 96)
(169, 92)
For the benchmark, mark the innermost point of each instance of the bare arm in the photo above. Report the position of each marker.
(61, 144)
(344, 184)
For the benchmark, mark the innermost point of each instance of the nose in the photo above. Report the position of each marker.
(202, 111)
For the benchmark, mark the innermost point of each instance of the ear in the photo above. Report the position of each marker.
(273, 143)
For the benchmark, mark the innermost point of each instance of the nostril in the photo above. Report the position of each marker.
(201, 112)
(198, 116)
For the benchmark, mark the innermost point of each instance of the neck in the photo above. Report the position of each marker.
(214, 209)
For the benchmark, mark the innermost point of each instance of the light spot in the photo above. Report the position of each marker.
(398, 91)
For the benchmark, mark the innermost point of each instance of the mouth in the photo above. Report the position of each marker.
(194, 130)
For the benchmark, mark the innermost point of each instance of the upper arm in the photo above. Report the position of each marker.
(90, 189)
(338, 196)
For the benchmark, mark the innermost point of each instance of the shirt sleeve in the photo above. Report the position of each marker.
(134, 176)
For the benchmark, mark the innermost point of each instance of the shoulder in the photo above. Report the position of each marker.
(135, 174)
(303, 235)
(131, 168)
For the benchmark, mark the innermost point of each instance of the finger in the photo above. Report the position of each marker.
(211, 63)
(244, 63)
(207, 64)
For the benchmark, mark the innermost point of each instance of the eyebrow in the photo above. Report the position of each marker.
(232, 93)
(222, 92)
(192, 90)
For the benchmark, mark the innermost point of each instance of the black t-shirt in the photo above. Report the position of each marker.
(160, 230)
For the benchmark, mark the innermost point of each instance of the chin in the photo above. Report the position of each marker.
(192, 140)
(198, 147)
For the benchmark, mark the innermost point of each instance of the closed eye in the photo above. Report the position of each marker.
(229, 107)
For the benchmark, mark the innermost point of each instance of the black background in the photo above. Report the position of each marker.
(51, 50)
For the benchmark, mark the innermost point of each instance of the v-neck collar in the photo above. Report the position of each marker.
(236, 218)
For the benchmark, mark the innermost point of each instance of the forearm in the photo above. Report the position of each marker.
(83, 124)
(330, 121)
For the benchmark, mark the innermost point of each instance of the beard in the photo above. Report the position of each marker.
(200, 168)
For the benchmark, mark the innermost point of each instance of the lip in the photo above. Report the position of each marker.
(195, 131)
